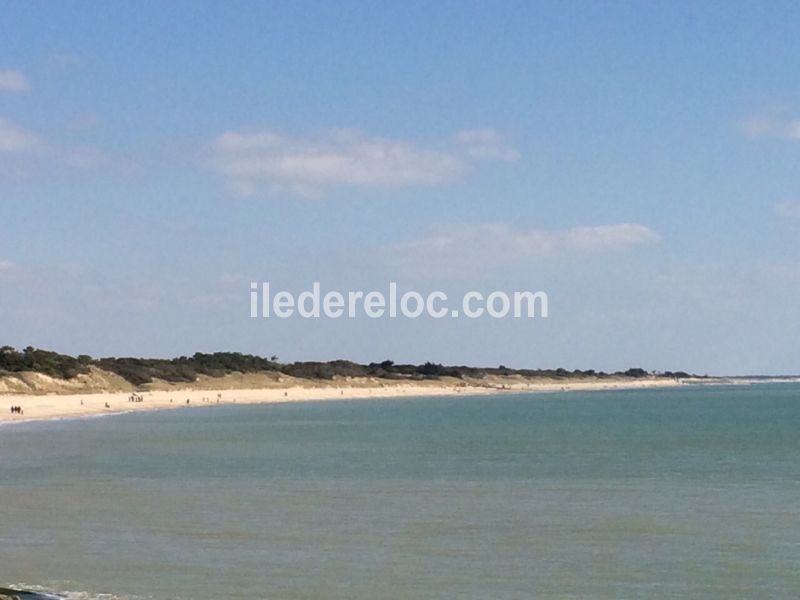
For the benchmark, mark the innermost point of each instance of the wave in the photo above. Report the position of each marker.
(34, 592)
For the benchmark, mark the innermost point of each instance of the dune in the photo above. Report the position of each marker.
(98, 393)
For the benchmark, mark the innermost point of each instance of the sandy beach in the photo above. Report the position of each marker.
(76, 405)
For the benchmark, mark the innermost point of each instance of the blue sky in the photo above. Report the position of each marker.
(157, 157)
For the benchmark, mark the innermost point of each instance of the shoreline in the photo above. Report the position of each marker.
(46, 407)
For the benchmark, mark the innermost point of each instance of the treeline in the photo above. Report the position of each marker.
(43, 361)
(186, 369)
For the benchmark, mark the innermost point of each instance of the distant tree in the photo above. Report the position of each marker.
(430, 369)
(635, 373)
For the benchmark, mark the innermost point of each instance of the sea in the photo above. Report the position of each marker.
(686, 492)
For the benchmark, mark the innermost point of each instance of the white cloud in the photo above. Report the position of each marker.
(6, 266)
(14, 138)
(309, 165)
(26, 154)
(13, 82)
(485, 143)
(470, 247)
(789, 210)
(772, 124)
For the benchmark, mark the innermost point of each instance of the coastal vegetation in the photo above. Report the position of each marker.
(140, 371)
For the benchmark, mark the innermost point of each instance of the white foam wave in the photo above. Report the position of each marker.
(48, 593)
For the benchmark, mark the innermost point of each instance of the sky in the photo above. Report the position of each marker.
(636, 161)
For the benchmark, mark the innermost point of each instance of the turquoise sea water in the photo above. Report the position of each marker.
(685, 493)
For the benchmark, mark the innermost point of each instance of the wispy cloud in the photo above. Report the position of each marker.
(10, 272)
(14, 138)
(458, 248)
(254, 162)
(485, 144)
(26, 153)
(790, 210)
(710, 285)
(775, 124)
(13, 82)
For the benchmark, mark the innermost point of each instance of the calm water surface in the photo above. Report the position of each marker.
(691, 492)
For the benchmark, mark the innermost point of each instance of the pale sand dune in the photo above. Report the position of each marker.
(55, 406)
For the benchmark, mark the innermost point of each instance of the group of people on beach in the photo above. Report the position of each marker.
(208, 398)
(17, 410)
(135, 398)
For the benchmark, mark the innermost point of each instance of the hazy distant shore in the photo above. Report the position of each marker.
(99, 392)
(53, 400)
